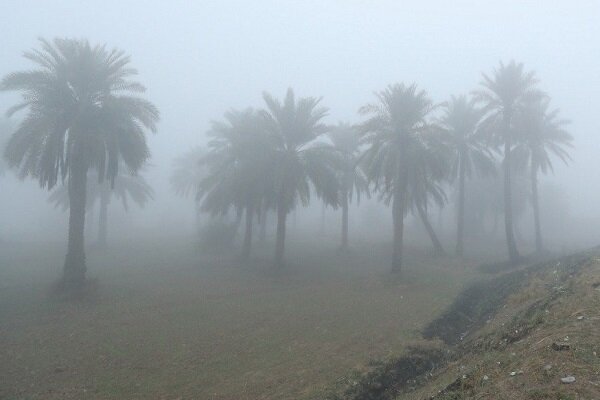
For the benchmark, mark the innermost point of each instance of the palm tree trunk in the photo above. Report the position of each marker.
(460, 222)
(322, 228)
(280, 241)
(239, 213)
(89, 226)
(536, 209)
(398, 221)
(198, 217)
(513, 253)
(74, 269)
(248, 234)
(262, 235)
(103, 220)
(345, 220)
(434, 239)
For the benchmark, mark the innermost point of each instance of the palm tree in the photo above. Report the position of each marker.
(404, 159)
(126, 188)
(502, 97)
(542, 136)
(188, 172)
(238, 163)
(82, 114)
(298, 161)
(469, 152)
(346, 142)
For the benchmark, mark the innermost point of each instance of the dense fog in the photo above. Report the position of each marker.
(200, 59)
(276, 199)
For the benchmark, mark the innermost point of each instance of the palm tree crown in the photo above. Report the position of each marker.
(542, 135)
(238, 162)
(345, 140)
(188, 172)
(467, 144)
(504, 94)
(79, 107)
(294, 126)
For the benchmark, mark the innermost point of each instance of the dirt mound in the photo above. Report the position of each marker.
(532, 333)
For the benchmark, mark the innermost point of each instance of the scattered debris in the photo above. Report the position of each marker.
(561, 346)
(568, 379)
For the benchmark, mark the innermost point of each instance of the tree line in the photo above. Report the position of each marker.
(85, 117)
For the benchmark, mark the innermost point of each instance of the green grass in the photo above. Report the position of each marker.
(167, 321)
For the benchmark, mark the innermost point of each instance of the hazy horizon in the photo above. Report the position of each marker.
(199, 59)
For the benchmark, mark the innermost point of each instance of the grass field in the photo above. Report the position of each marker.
(167, 321)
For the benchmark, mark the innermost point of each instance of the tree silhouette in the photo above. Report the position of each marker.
(82, 114)
(469, 152)
(541, 135)
(238, 165)
(405, 158)
(298, 161)
(188, 172)
(352, 180)
(503, 96)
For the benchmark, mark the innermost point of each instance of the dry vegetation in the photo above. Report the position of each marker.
(173, 322)
(547, 330)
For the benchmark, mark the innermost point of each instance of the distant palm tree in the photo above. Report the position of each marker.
(542, 135)
(81, 116)
(299, 162)
(353, 181)
(503, 96)
(188, 172)
(469, 152)
(238, 165)
(404, 159)
(126, 188)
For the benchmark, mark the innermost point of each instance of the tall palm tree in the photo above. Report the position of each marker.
(188, 172)
(82, 114)
(469, 152)
(503, 95)
(345, 140)
(126, 188)
(298, 161)
(542, 135)
(238, 163)
(403, 159)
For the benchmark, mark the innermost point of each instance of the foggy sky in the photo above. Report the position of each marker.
(199, 58)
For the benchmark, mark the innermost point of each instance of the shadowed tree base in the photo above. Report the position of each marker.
(73, 278)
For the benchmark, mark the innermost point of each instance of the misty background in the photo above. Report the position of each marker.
(198, 59)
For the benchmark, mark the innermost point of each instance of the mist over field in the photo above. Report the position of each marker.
(255, 199)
